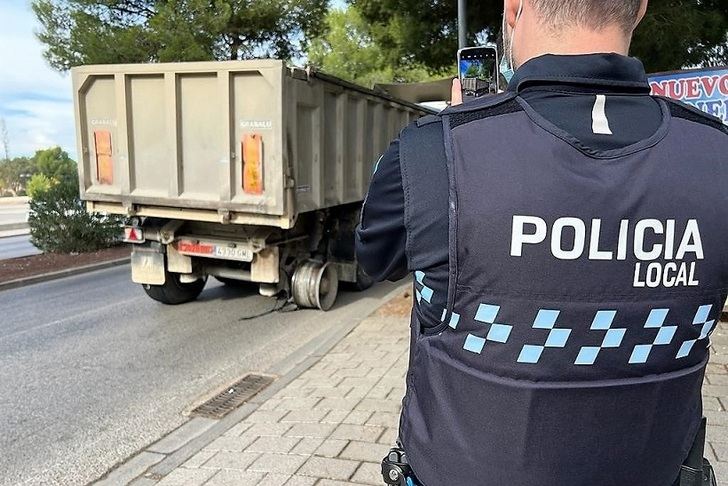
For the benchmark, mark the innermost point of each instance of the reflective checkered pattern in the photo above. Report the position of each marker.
(557, 338)
(454, 319)
(613, 338)
(656, 320)
(707, 326)
(423, 292)
(498, 333)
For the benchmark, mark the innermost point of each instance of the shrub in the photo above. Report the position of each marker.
(38, 184)
(59, 222)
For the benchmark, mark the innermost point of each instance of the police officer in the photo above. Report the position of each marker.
(568, 244)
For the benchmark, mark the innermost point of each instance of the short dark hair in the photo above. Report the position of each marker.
(596, 14)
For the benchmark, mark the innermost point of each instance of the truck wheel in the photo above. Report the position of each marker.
(174, 292)
(315, 285)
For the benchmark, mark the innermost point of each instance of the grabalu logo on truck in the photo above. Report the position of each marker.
(705, 89)
(256, 124)
(661, 248)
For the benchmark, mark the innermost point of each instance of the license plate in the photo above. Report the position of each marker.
(210, 250)
(227, 253)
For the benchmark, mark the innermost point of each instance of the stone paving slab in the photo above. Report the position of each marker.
(333, 424)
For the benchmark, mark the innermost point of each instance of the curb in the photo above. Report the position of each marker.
(47, 277)
(14, 233)
(14, 226)
(287, 370)
(14, 200)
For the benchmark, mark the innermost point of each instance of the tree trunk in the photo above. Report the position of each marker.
(235, 49)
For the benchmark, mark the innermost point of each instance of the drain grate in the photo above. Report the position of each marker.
(233, 396)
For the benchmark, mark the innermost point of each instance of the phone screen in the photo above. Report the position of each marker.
(478, 71)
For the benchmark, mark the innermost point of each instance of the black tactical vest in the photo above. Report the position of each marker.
(584, 287)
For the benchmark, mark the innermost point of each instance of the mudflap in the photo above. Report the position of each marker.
(147, 266)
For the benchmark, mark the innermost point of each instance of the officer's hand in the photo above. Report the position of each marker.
(457, 93)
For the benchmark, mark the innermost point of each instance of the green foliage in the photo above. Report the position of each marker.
(412, 32)
(473, 71)
(58, 219)
(675, 33)
(76, 32)
(379, 41)
(348, 51)
(55, 164)
(39, 184)
(14, 175)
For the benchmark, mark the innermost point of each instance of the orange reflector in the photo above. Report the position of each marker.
(253, 163)
(104, 162)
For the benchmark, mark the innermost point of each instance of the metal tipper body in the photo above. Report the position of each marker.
(244, 170)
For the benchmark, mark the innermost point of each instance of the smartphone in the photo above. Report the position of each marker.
(478, 71)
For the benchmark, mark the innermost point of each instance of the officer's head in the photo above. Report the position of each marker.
(536, 27)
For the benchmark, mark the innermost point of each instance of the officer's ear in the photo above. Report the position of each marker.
(510, 11)
(642, 12)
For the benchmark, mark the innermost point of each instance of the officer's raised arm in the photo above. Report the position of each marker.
(381, 236)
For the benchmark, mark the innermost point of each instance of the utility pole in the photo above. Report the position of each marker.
(4, 139)
(462, 23)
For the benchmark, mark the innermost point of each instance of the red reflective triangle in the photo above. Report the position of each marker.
(132, 234)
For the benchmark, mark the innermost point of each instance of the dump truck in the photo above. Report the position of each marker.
(246, 171)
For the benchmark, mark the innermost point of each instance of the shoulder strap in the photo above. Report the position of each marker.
(487, 107)
(678, 109)
(427, 120)
(427, 182)
(425, 185)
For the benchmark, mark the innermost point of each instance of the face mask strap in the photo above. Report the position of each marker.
(513, 35)
(506, 66)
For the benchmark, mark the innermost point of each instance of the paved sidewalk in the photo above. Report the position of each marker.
(333, 424)
(330, 426)
(715, 404)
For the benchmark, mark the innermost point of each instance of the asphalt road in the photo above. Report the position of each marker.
(92, 370)
(13, 213)
(16, 246)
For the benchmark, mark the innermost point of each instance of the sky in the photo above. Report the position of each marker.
(36, 102)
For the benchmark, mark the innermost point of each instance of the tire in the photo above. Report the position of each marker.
(174, 292)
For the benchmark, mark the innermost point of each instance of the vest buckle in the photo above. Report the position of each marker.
(395, 469)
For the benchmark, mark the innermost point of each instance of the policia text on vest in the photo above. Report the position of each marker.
(647, 239)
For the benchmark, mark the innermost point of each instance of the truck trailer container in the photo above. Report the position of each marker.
(248, 171)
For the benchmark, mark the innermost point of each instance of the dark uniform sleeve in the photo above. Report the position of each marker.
(381, 236)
